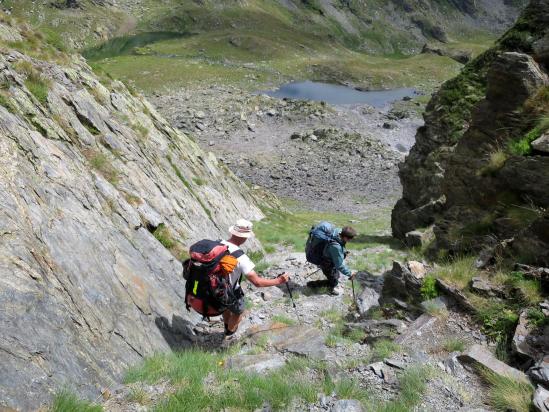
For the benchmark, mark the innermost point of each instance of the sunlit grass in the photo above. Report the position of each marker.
(383, 349)
(458, 271)
(413, 383)
(66, 401)
(233, 389)
(506, 394)
(292, 227)
(453, 345)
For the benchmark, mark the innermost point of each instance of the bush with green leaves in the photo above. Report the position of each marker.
(523, 145)
(497, 318)
(537, 318)
(429, 288)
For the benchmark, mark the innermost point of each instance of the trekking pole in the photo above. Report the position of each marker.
(311, 274)
(292, 299)
(354, 296)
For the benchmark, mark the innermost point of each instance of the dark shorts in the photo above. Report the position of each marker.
(238, 306)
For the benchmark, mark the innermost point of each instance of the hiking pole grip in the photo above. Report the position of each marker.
(289, 292)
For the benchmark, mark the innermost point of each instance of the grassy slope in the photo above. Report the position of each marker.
(373, 250)
(279, 45)
(258, 43)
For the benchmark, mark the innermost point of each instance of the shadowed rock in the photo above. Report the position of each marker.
(481, 356)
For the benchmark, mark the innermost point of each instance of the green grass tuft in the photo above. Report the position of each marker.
(453, 345)
(350, 389)
(498, 319)
(506, 394)
(140, 396)
(413, 383)
(102, 163)
(164, 236)
(284, 319)
(537, 318)
(383, 349)
(38, 86)
(6, 102)
(332, 315)
(199, 181)
(458, 271)
(141, 130)
(523, 145)
(527, 291)
(66, 401)
(496, 161)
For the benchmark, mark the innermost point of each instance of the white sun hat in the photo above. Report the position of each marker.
(242, 228)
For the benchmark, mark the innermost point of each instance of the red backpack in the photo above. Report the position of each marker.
(208, 289)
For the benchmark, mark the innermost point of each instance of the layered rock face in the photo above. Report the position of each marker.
(88, 171)
(487, 181)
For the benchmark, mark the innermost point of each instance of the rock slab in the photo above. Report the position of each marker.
(367, 300)
(347, 405)
(541, 399)
(299, 340)
(86, 289)
(481, 356)
(256, 363)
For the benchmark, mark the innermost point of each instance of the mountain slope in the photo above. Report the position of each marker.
(95, 186)
(397, 26)
(475, 171)
(257, 43)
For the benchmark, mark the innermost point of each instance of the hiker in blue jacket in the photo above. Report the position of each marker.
(326, 248)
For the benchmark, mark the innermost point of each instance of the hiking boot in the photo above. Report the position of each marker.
(229, 340)
(336, 291)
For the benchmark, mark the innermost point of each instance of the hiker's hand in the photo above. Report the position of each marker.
(353, 275)
(284, 278)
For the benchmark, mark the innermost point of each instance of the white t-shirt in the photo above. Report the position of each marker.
(245, 264)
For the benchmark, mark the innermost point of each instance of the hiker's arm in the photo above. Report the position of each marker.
(260, 282)
(338, 259)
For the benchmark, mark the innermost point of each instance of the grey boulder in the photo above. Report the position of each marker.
(367, 300)
(347, 405)
(256, 363)
(541, 399)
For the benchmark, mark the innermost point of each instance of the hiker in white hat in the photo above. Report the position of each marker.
(241, 231)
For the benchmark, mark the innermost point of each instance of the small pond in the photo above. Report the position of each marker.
(334, 94)
(125, 45)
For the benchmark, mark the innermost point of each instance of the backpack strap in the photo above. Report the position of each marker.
(237, 253)
(328, 244)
